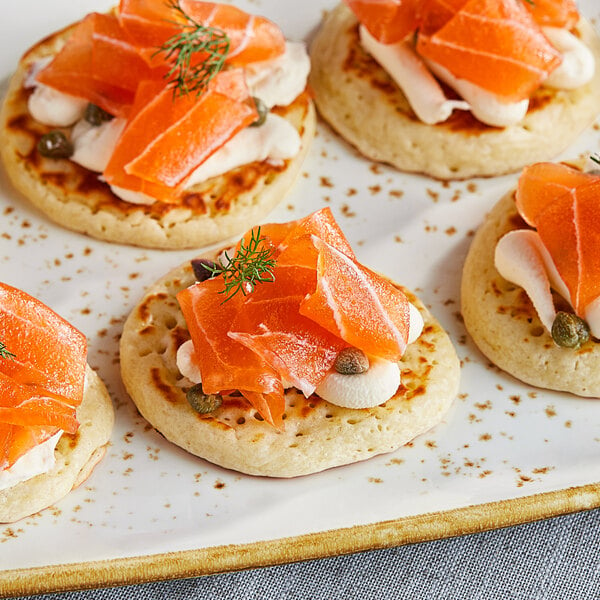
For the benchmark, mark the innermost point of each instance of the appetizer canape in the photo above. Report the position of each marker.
(161, 124)
(56, 416)
(531, 280)
(284, 356)
(459, 88)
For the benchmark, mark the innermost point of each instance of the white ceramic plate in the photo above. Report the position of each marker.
(505, 453)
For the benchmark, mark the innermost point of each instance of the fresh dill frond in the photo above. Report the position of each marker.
(186, 76)
(251, 264)
(5, 353)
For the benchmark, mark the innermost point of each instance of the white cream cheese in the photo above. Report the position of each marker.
(53, 108)
(409, 71)
(414, 77)
(279, 81)
(94, 145)
(578, 64)
(35, 462)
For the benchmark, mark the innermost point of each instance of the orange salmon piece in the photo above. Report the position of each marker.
(115, 57)
(554, 13)
(298, 348)
(251, 38)
(72, 72)
(494, 44)
(41, 388)
(357, 305)
(388, 21)
(570, 229)
(541, 183)
(15, 441)
(166, 140)
(224, 363)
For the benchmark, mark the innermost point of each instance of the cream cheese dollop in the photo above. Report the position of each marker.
(414, 76)
(38, 460)
(54, 108)
(409, 71)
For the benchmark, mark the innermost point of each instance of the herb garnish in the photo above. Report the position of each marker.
(250, 265)
(185, 77)
(595, 158)
(5, 353)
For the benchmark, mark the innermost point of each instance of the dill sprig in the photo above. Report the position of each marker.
(5, 353)
(251, 264)
(184, 76)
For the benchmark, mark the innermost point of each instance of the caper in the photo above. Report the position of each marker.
(55, 144)
(203, 268)
(263, 111)
(351, 361)
(201, 402)
(95, 115)
(569, 331)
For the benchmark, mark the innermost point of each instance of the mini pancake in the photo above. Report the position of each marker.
(75, 198)
(76, 456)
(355, 95)
(503, 323)
(317, 435)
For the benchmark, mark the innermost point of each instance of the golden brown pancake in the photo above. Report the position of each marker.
(356, 96)
(75, 198)
(317, 435)
(504, 324)
(76, 456)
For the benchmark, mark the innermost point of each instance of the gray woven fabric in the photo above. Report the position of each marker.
(553, 559)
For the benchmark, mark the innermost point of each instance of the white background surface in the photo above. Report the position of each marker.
(501, 440)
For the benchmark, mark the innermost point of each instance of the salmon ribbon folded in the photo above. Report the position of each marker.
(290, 331)
(113, 61)
(497, 45)
(41, 384)
(563, 205)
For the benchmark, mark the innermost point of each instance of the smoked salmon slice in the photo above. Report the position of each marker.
(319, 302)
(72, 72)
(554, 13)
(357, 305)
(251, 38)
(41, 388)
(224, 362)
(165, 140)
(297, 347)
(540, 183)
(388, 21)
(494, 44)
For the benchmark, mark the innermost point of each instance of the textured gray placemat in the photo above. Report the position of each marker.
(552, 559)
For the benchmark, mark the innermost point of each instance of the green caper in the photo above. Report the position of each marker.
(95, 115)
(569, 331)
(201, 402)
(351, 361)
(203, 268)
(55, 145)
(263, 111)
